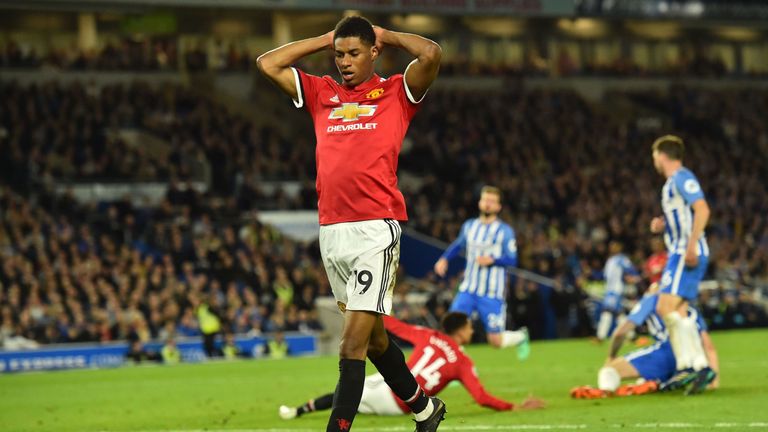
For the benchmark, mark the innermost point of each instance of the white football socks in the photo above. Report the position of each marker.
(423, 415)
(608, 379)
(604, 325)
(512, 338)
(694, 344)
(678, 340)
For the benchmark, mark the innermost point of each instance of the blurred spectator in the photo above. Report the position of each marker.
(577, 176)
(163, 54)
(58, 283)
(277, 347)
(126, 54)
(170, 352)
(138, 354)
(210, 324)
(72, 132)
(229, 348)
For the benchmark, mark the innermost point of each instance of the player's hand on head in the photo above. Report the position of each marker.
(485, 261)
(329, 36)
(379, 32)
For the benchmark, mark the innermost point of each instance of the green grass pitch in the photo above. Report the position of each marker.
(244, 395)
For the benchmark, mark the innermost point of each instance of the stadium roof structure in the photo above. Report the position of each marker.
(532, 8)
(750, 10)
(710, 10)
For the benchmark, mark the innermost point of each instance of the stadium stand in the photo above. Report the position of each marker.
(163, 54)
(575, 177)
(116, 272)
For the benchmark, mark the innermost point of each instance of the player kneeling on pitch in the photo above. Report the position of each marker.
(437, 360)
(655, 365)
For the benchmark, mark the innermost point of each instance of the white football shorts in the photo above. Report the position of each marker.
(361, 260)
(378, 398)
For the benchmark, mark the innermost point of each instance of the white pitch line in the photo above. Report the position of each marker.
(696, 425)
(404, 428)
(512, 427)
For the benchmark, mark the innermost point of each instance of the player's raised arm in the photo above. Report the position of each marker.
(421, 72)
(276, 64)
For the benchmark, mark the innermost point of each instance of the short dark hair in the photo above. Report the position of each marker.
(491, 190)
(453, 321)
(670, 145)
(355, 26)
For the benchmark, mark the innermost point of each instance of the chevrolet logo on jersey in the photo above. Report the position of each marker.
(352, 111)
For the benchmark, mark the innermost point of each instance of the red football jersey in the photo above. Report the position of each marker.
(437, 360)
(359, 132)
(654, 266)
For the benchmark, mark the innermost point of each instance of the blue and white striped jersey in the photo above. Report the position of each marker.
(496, 240)
(645, 312)
(679, 193)
(615, 269)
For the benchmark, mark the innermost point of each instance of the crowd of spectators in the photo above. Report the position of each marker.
(70, 132)
(575, 176)
(564, 65)
(165, 54)
(696, 63)
(125, 54)
(76, 273)
(135, 55)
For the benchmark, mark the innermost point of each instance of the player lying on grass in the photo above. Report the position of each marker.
(437, 360)
(655, 364)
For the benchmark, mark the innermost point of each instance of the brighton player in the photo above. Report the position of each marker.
(359, 125)
(618, 272)
(686, 213)
(654, 364)
(490, 246)
(436, 361)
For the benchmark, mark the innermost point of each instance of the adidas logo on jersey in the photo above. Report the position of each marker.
(335, 99)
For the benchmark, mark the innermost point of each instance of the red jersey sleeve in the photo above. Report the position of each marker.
(408, 103)
(411, 333)
(307, 88)
(468, 377)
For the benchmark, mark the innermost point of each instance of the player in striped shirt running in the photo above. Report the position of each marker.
(686, 213)
(490, 247)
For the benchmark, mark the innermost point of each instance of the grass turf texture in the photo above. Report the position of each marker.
(245, 395)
